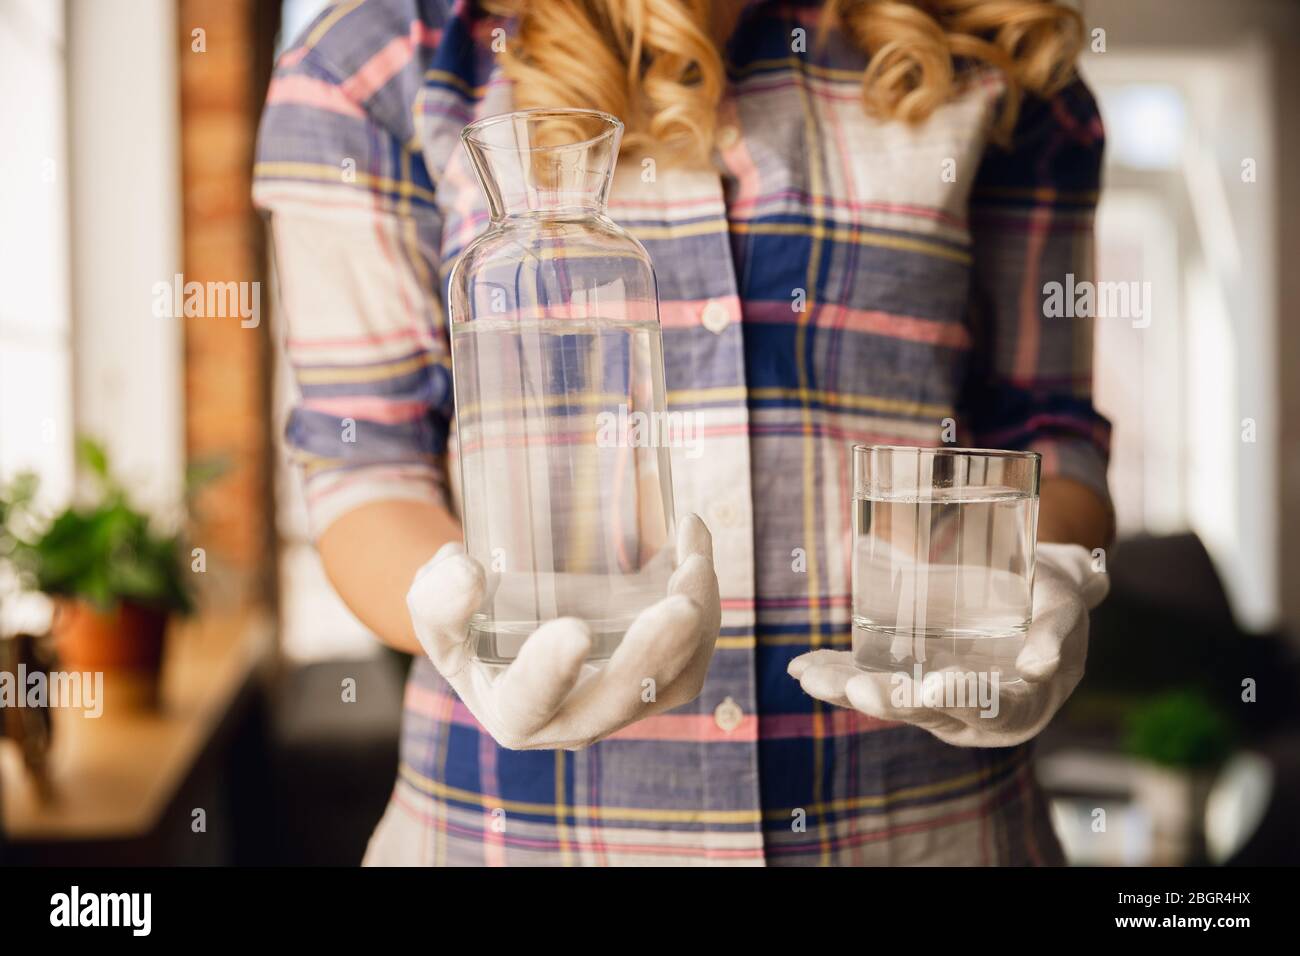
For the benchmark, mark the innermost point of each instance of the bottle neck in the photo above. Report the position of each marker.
(544, 205)
(544, 165)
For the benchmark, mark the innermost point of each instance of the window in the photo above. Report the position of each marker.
(1192, 394)
(80, 198)
(35, 314)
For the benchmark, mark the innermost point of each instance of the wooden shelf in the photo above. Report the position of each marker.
(113, 777)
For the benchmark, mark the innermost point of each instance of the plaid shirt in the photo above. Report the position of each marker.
(834, 279)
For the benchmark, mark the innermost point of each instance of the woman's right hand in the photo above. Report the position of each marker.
(549, 698)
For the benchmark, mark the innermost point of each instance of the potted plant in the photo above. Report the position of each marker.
(114, 576)
(1179, 738)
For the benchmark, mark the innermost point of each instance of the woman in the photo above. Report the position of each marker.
(852, 208)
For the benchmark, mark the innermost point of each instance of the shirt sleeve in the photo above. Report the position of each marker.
(1032, 208)
(355, 234)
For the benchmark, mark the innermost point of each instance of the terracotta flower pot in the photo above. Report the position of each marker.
(125, 643)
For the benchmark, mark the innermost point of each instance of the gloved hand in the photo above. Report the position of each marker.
(549, 698)
(1051, 665)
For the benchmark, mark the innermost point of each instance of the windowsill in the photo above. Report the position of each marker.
(113, 777)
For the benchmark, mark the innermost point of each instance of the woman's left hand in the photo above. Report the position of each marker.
(1051, 664)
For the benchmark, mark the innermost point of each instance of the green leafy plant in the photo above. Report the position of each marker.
(1181, 728)
(104, 551)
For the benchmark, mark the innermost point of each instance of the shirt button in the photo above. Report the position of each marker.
(727, 137)
(728, 715)
(715, 317)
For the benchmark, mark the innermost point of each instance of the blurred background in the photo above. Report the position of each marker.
(265, 728)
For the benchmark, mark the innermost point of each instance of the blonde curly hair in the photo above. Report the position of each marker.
(654, 63)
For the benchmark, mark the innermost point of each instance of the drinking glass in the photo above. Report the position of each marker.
(943, 557)
(557, 363)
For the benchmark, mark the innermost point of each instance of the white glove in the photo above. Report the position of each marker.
(1051, 665)
(549, 698)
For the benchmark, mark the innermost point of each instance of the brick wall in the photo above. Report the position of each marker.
(223, 72)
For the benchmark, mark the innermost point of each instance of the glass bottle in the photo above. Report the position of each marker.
(557, 361)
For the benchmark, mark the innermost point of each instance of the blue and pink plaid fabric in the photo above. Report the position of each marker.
(833, 279)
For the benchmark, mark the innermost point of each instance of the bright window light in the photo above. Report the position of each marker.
(1146, 124)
